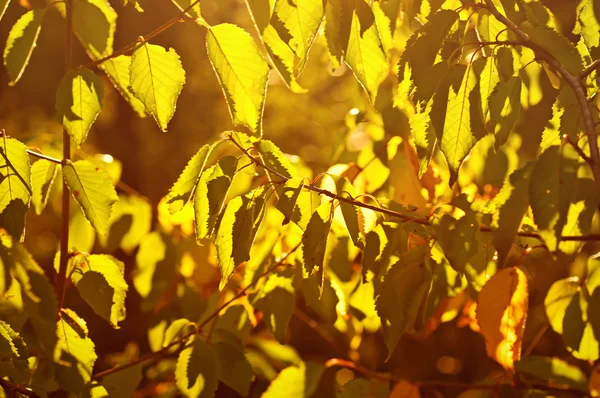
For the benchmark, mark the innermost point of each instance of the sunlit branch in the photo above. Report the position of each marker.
(573, 81)
(165, 351)
(383, 210)
(591, 68)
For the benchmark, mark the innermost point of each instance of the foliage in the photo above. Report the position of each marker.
(462, 201)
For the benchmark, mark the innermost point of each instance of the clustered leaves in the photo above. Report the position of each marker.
(377, 244)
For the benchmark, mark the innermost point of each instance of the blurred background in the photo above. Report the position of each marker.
(313, 126)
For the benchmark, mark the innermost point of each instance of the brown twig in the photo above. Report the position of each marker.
(591, 68)
(165, 351)
(12, 389)
(573, 81)
(383, 210)
(146, 38)
(42, 156)
(66, 194)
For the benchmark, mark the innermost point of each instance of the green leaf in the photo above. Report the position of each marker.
(155, 271)
(423, 47)
(298, 381)
(177, 329)
(236, 232)
(94, 23)
(12, 346)
(513, 202)
(457, 138)
(243, 79)
(15, 172)
(337, 30)
(183, 189)
(296, 203)
(117, 70)
(301, 19)
(37, 293)
(365, 54)
(156, 79)
(21, 41)
(314, 239)
(78, 102)
(277, 302)
(489, 77)
(81, 234)
(130, 221)
(75, 353)
(92, 189)
(210, 194)
(234, 369)
(424, 136)
(400, 295)
(42, 177)
(123, 383)
(551, 188)
(275, 159)
(564, 310)
(196, 373)
(553, 371)
(505, 108)
(100, 280)
(556, 44)
(588, 25)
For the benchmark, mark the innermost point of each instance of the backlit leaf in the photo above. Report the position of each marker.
(588, 25)
(301, 19)
(75, 353)
(314, 239)
(100, 280)
(117, 70)
(234, 369)
(297, 381)
(156, 79)
(553, 371)
(243, 78)
(236, 232)
(457, 138)
(505, 108)
(42, 176)
(94, 23)
(183, 189)
(15, 173)
(210, 194)
(424, 136)
(196, 373)
(275, 159)
(400, 295)
(78, 102)
(365, 55)
(501, 314)
(514, 205)
(556, 44)
(21, 41)
(551, 188)
(337, 29)
(92, 189)
(277, 301)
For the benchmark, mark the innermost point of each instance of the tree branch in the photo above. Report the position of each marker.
(383, 210)
(573, 81)
(146, 38)
(591, 68)
(66, 194)
(165, 351)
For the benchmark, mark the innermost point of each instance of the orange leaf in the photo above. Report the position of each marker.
(501, 313)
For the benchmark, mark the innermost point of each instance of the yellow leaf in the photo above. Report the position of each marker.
(501, 313)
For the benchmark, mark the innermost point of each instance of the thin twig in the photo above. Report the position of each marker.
(42, 156)
(573, 81)
(146, 38)
(12, 389)
(66, 194)
(591, 68)
(383, 210)
(577, 149)
(165, 351)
